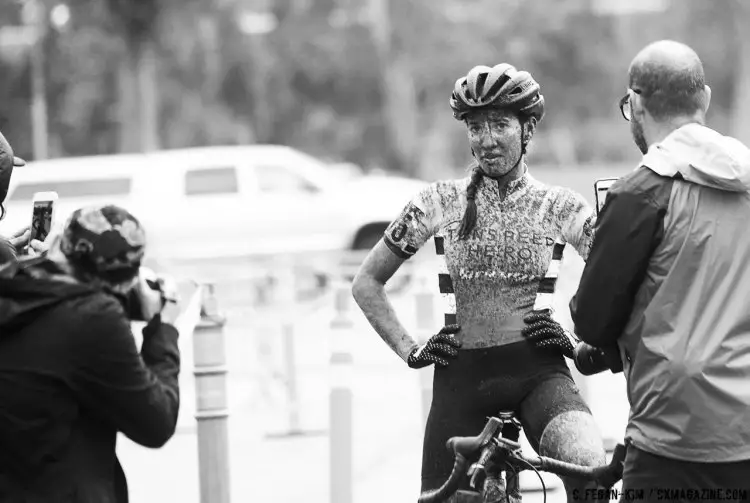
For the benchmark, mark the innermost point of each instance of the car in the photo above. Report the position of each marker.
(222, 202)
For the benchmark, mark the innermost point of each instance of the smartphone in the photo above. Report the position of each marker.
(601, 187)
(42, 215)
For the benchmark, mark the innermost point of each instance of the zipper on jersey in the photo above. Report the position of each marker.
(501, 194)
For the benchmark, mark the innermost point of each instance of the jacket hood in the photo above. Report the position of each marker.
(28, 287)
(702, 156)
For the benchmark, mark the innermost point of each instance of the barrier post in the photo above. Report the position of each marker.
(287, 297)
(425, 324)
(341, 430)
(209, 356)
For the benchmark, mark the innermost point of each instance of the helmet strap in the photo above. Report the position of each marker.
(523, 148)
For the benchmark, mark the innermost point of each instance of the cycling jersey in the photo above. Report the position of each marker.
(496, 273)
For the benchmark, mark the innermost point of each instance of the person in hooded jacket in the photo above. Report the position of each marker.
(666, 284)
(71, 376)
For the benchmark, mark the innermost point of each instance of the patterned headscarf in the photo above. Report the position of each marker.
(106, 242)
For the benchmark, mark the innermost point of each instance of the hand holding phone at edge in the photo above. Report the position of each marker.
(20, 241)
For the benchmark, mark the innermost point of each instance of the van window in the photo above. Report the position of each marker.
(211, 181)
(276, 179)
(74, 188)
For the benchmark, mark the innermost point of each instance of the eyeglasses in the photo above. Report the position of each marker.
(625, 107)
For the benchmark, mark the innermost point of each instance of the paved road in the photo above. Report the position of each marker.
(387, 415)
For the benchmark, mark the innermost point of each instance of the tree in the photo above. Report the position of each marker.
(366, 81)
(139, 100)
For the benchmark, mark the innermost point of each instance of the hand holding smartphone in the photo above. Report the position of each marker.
(601, 187)
(42, 216)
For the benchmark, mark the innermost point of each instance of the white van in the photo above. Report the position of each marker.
(221, 202)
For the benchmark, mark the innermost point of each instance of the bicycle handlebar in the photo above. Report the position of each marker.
(451, 485)
(606, 475)
(465, 447)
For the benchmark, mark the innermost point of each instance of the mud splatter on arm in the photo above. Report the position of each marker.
(369, 293)
(402, 239)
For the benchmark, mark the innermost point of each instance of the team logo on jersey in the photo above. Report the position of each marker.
(409, 224)
(515, 251)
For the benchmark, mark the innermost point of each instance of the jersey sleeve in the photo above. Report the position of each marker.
(415, 224)
(578, 227)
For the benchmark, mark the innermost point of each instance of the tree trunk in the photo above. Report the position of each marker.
(128, 105)
(39, 114)
(138, 103)
(148, 98)
(260, 89)
(399, 94)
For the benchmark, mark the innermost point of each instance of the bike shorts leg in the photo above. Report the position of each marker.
(558, 423)
(442, 424)
(481, 382)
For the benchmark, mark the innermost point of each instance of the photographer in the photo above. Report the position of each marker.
(71, 376)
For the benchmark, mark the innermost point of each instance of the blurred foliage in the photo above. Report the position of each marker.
(363, 81)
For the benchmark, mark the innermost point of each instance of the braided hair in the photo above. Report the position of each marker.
(469, 219)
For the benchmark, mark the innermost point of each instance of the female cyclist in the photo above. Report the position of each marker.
(498, 231)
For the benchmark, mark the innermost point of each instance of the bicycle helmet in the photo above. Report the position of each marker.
(500, 87)
(7, 162)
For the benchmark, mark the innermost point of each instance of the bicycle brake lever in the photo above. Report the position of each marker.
(480, 467)
(475, 472)
(490, 430)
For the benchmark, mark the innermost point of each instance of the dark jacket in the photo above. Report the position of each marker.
(71, 377)
(667, 280)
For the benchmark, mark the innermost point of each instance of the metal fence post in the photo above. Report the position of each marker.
(287, 294)
(341, 430)
(209, 356)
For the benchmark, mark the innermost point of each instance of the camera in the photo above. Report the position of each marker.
(146, 280)
(590, 360)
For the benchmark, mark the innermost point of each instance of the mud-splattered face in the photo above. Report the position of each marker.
(496, 136)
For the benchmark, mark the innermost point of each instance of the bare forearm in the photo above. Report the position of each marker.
(373, 301)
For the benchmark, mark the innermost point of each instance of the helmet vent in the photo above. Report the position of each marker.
(499, 83)
(481, 79)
